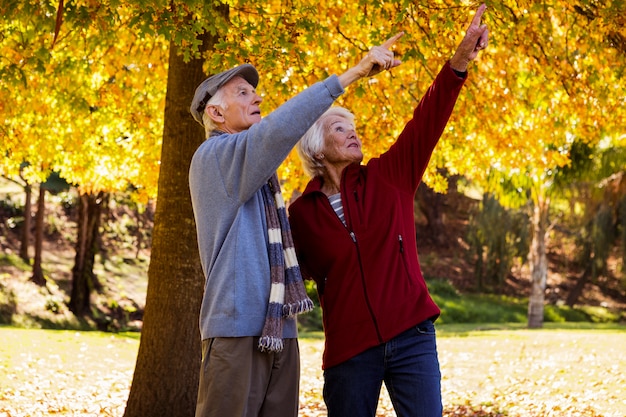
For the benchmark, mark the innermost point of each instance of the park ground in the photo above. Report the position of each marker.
(485, 373)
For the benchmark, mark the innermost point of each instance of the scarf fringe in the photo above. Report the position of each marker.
(298, 307)
(270, 344)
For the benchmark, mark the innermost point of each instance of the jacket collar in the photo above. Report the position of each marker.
(315, 184)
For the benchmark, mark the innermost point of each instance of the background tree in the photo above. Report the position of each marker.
(98, 124)
(26, 233)
(170, 341)
(26, 230)
(37, 276)
(594, 187)
(497, 237)
(553, 88)
(168, 363)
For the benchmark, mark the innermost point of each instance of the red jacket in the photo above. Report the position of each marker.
(368, 275)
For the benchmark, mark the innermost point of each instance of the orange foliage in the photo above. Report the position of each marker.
(553, 72)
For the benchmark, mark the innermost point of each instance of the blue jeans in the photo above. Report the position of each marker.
(408, 365)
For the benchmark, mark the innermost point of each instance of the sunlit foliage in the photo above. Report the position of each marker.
(86, 102)
(90, 103)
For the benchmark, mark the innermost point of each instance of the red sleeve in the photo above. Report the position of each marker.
(405, 162)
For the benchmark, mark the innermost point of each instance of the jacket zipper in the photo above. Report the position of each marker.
(348, 217)
(406, 266)
(367, 299)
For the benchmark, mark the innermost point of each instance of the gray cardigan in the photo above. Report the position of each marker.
(225, 177)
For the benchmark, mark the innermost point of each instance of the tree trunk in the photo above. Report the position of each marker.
(103, 218)
(83, 278)
(577, 290)
(38, 277)
(431, 205)
(538, 263)
(26, 232)
(165, 381)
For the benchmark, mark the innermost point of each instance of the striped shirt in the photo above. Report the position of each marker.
(335, 203)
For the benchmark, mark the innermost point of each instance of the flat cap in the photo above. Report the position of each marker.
(209, 87)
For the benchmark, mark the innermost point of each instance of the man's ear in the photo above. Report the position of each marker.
(215, 114)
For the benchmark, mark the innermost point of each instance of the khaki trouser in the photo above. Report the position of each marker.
(238, 380)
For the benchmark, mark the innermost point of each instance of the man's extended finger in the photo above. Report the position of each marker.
(479, 14)
(389, 42)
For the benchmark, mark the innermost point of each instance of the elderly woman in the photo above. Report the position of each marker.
(354, 234)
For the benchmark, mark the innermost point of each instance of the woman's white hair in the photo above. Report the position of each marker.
(218, 101)
(311, 145)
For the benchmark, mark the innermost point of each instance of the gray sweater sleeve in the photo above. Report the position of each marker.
(245, 160)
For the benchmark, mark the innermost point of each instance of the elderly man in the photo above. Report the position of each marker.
(253, 288)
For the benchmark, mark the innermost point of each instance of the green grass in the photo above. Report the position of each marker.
(12, 259)
(463, 329)
(499, 311)
(490, 308)
(456, 308)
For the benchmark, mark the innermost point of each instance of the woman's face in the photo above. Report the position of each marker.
(342, 146)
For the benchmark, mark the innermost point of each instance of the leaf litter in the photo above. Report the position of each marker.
(487, 374)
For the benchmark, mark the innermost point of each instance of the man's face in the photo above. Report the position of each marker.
(241, 106)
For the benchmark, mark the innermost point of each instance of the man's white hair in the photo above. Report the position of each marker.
(218, 101)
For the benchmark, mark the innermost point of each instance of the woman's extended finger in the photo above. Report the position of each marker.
(479, 14)
(389, 42)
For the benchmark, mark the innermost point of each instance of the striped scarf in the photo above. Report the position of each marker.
(287, 294)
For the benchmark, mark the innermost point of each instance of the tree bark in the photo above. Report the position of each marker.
(38, 277)
(577, 290)
(166, 375)
(538, 263)
(26, 232)
(83, 278)
(431, 205)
